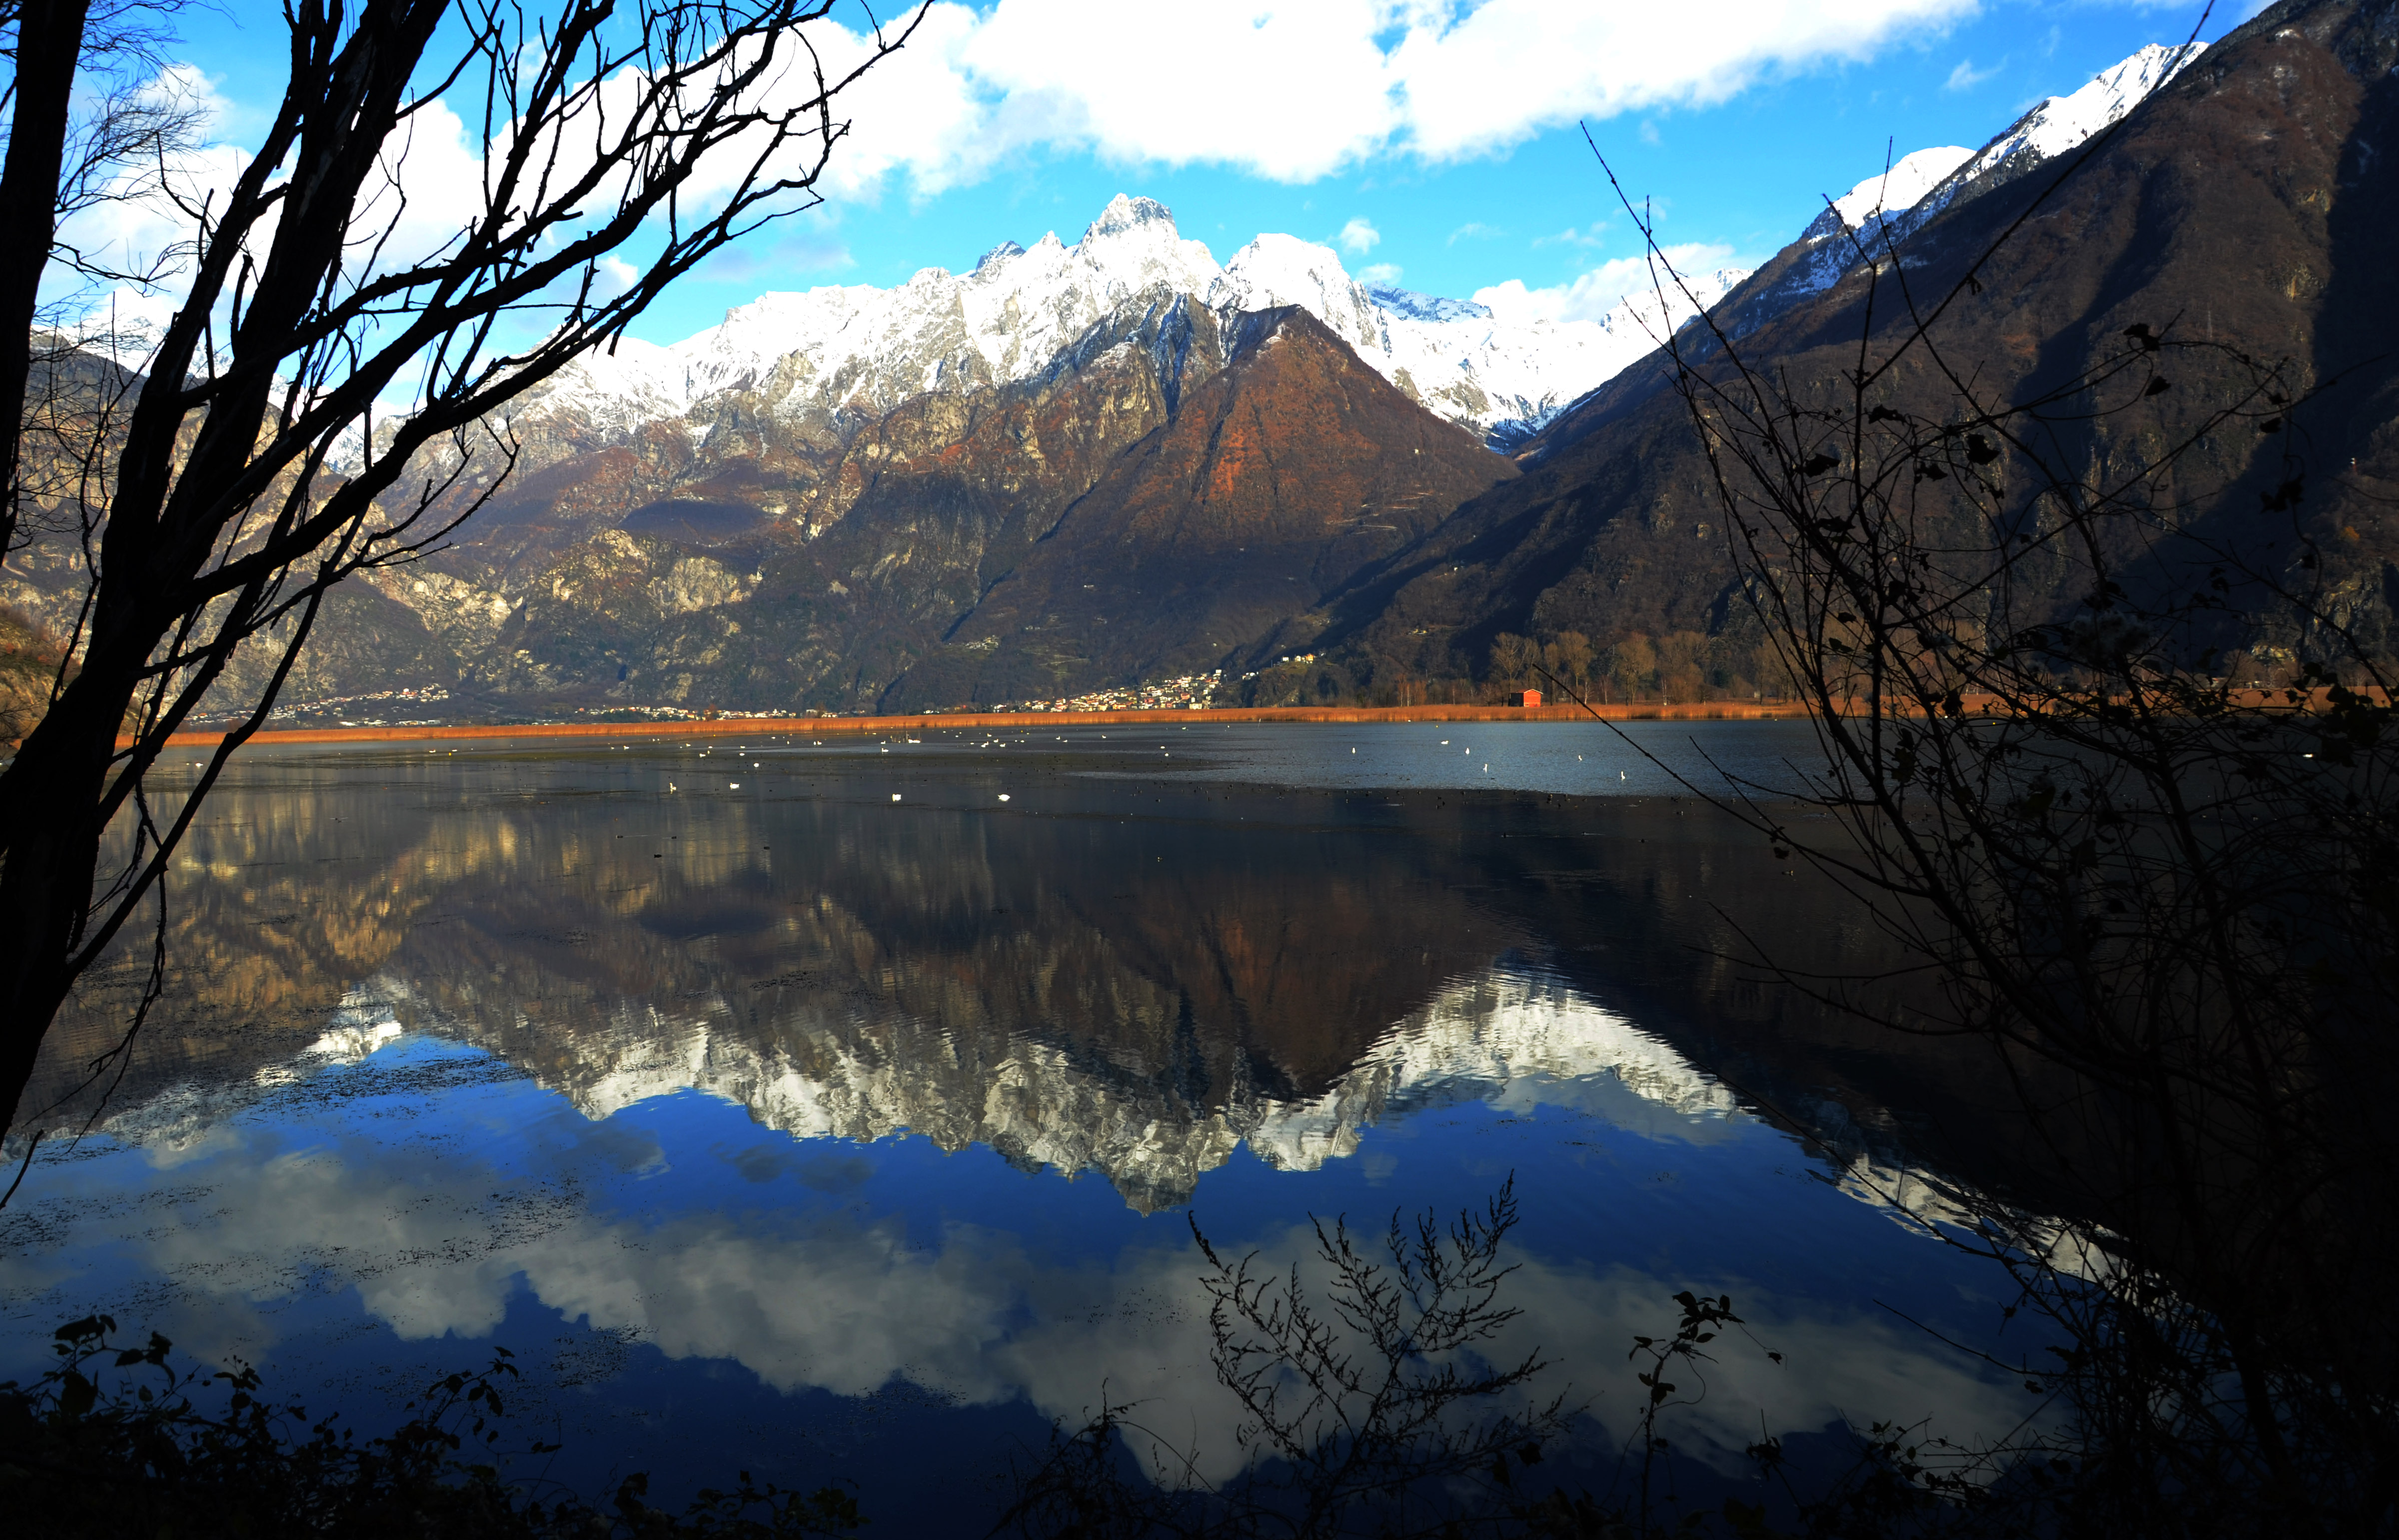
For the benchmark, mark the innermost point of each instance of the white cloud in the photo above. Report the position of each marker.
(1477, 80)
(1473, 230)
(1589, 236)
(1966, 78)
(1295, 90)
(1288, 89)
(618, 275)
(1379, 272)
(1593, 294)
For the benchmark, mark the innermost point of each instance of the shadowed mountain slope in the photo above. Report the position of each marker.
(2245, 202)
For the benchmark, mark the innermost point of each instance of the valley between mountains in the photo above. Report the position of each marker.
(1091, 465)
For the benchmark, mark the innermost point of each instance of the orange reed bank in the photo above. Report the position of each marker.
(818, 728)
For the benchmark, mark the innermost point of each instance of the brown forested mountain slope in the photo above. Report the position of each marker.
(1278, 478)
(2248, 202)
(867, 549)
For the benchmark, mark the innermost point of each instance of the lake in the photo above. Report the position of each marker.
(842, 1109)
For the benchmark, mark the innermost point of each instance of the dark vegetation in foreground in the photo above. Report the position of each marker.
(118, 1439)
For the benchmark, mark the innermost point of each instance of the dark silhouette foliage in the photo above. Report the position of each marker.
(118, 1439)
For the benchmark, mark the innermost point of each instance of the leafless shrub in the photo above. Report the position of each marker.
(1370, 1413)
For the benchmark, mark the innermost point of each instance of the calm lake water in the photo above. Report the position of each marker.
(841, 1110)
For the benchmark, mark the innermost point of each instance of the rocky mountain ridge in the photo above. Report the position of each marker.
(828, 357)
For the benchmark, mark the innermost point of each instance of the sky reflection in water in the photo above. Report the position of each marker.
(787, 1129)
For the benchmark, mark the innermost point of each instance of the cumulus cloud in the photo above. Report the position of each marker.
(1590, 295)
(1294, 90)
(431, 180)
(1379, 272)
(1474, 80)
(1299, 89)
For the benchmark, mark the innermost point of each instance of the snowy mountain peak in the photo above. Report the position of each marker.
(997, 256)
(828, 354)
(1924, 184)
(2060, 123)
(1411, 306)
(1275, 270)
(1909, 179)
(2063, 122)
(1124, 215)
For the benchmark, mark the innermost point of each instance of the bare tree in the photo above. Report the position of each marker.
(1368, 1409)
(253, 464)
(63, 160)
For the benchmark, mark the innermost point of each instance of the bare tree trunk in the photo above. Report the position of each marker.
(216, 519)
(46, 886)
(49, 41)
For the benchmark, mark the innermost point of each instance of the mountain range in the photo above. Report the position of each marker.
(1082, 466)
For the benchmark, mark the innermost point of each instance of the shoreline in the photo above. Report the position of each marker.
(2293, 702)
(865, 726)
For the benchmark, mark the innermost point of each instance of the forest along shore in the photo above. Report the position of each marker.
(818, 726)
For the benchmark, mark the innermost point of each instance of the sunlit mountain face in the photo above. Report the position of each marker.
(808, 1101)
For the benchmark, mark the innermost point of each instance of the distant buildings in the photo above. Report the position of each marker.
(1192, 693)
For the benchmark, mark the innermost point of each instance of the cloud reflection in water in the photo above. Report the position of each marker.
(436, 1184)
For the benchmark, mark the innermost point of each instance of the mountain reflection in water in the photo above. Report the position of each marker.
(523, 1044)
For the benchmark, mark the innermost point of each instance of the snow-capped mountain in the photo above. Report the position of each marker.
(1510, 1039)
(1900, 188)
(2054, 126)
(2063, 122)
(836, 355)
(1922, 184)
(830, 357)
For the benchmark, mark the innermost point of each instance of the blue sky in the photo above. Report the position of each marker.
(1438, 134)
